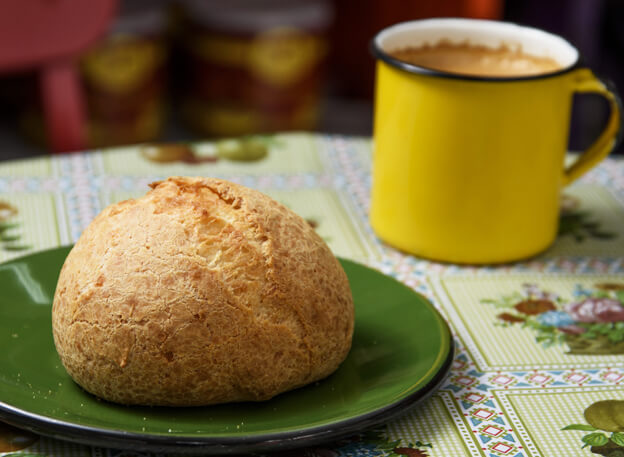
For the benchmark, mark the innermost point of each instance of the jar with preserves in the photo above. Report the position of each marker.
(253, 65)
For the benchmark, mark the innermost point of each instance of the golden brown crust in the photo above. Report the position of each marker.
(200, 292)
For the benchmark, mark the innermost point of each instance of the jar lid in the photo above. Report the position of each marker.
(141, 17)
(250, 16)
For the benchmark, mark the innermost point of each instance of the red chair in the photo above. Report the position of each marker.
(49, 35)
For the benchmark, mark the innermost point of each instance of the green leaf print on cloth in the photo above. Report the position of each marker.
(591, 323)
(244, 149)
(395, 448)
(578, 223)
(9, 239)
(606, 427)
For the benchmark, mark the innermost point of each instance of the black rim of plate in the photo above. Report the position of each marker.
(94, 436)
(120, 439)
(213, 445)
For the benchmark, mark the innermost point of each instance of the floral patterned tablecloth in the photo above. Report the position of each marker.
(539, 369)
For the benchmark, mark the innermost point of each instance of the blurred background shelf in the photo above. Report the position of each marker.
(193, 69)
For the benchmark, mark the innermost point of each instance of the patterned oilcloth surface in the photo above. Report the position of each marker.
(540, 360)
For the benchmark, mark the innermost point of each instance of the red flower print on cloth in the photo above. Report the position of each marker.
(601, 310)
(508, 317)
(534, 307)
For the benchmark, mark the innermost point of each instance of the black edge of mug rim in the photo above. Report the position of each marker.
(416, 69)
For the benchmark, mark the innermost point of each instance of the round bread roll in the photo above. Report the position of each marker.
(200, 292)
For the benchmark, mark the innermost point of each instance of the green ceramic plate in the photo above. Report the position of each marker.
(401, 352)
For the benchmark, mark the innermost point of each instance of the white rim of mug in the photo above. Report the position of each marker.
(472, 25)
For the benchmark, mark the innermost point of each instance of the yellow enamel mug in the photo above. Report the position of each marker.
(469, 169)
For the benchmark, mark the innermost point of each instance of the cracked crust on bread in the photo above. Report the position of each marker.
(200, 292)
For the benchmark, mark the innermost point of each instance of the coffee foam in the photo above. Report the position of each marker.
(476, 60)
(491, 34)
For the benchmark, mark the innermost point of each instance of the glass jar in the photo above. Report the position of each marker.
(253, 66)
(125, 76)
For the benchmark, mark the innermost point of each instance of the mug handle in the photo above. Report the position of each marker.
(586, 82)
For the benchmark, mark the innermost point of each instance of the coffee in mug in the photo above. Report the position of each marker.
(472, 59)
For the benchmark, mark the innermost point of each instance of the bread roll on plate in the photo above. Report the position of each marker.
(200, 292)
